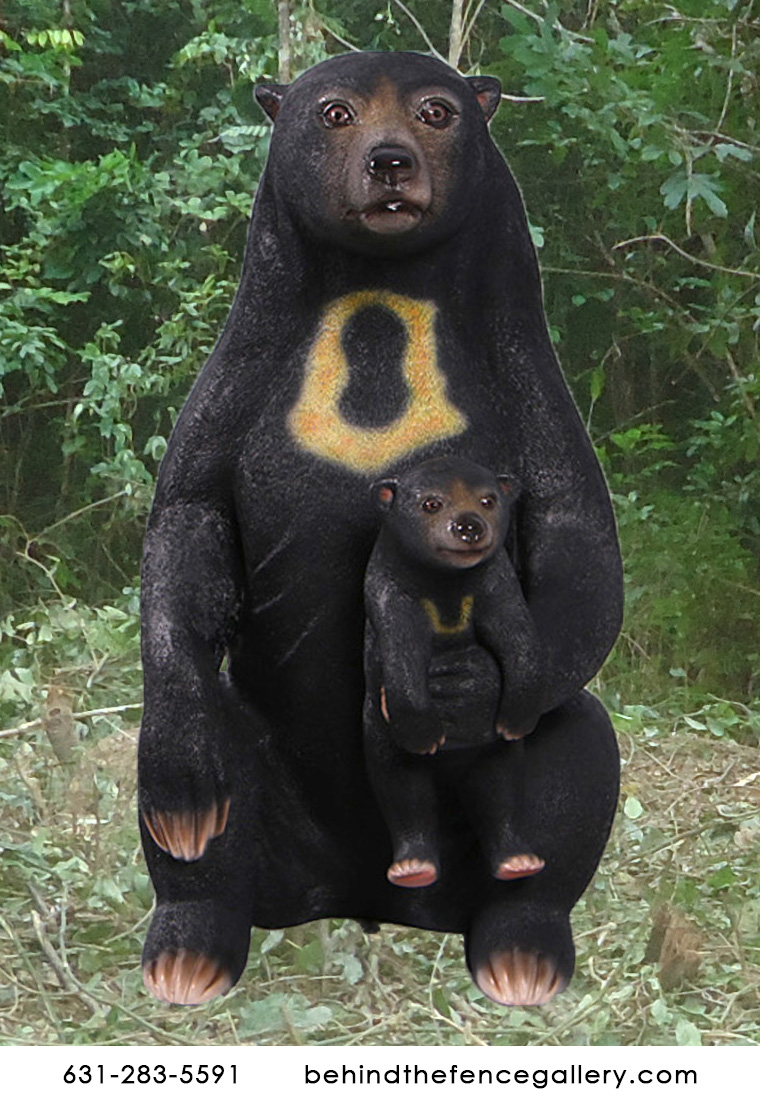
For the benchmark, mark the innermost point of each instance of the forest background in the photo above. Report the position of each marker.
(131, 147)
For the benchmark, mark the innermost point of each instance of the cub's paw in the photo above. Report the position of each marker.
(186, 977)
(510, 728)
(423, 746)
(186, 833)
(418, 734)
(415, 732)
(519, 866)
(518, 978)
(412, 873)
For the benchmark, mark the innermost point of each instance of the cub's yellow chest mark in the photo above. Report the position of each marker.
(445, 629)
(315, 422)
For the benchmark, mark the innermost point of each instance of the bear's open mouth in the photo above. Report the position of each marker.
(392, 215)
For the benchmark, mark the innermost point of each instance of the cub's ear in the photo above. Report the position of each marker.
(384, 493)
(509, 485)
(488, 92)
(270, 97)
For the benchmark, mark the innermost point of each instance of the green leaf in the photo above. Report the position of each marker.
(598, 381)
(633, 808)
(725, 877)
(272, 940)
(687, 1034)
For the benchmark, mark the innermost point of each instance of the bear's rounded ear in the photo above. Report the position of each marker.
(488, 92)
(508, 485)
(269, 97)
(384, 493)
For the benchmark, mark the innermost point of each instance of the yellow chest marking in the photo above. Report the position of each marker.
(315, 422)
(439, 627)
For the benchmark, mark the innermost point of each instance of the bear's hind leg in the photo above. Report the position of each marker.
(519, 955)
(520, 946)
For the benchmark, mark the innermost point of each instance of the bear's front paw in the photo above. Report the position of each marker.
(184, 796)
(418, 732)
(511, 725)
(186, 833)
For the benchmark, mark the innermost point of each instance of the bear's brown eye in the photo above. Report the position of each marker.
(432, 505)
(337, 115)
(435, 113)
(489, 501)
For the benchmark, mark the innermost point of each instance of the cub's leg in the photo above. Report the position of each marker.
(403, 787)
(492, 794)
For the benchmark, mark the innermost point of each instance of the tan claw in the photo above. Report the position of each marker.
(186, 834)
(517, 978)
(185, 977)
(412, 873)
(520, 866)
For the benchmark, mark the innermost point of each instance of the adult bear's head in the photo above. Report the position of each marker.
(377, 152)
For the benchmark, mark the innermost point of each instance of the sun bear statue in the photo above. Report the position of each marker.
(441, 586)
(389, 310)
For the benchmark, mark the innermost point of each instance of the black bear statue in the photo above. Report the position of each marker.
(441, 587)
(389, 310)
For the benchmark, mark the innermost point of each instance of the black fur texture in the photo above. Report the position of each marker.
(389, 310)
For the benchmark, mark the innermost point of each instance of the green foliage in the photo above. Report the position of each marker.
(124, 209)
(132, 147)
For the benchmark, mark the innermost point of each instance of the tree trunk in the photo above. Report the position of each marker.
(456, 32)
(283, 28)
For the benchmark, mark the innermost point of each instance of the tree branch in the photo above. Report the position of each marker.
(687, 256)
(411, 16)
(16, 732)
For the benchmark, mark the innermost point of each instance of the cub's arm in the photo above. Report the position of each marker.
(504, 625)
(399, 650)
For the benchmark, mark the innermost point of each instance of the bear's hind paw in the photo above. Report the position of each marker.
(412, 873)
(517, 978)
(185, 977)
(519, 866)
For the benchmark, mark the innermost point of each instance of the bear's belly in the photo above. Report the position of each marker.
(465, 684)
(308, 528)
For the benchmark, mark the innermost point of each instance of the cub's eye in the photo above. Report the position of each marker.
(337, 114)
(489, 501)
(432, 505)
(435, 113)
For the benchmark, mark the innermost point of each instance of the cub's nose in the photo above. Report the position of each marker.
(468, 528)
(390, 164)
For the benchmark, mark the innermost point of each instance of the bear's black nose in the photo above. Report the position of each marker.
(389, 164)
(468, 528)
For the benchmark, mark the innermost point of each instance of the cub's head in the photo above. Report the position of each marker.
(379, 152)
(448, 512)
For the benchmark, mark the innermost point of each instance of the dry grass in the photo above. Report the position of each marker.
(668, 934)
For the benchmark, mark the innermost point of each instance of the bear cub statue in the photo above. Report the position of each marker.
(440, 581)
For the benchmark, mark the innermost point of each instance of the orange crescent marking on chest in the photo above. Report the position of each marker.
(315, 422)
(440, 627)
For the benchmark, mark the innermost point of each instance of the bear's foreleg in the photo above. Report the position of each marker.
(190, 603)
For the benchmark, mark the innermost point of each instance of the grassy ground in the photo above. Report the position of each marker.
(668, 934)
